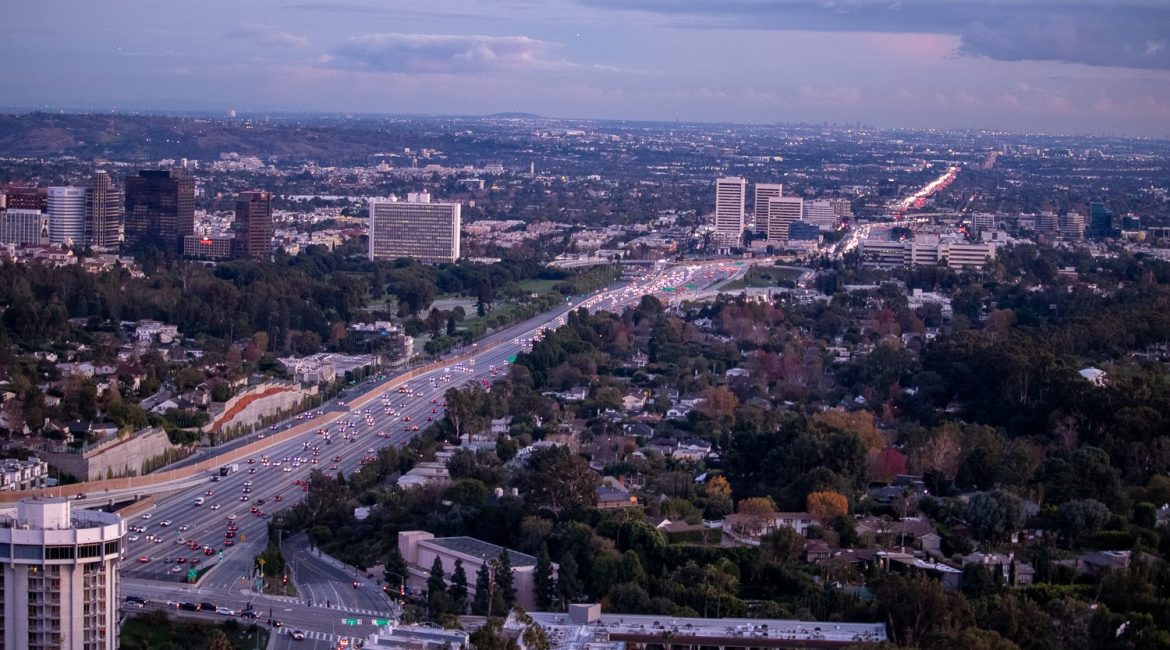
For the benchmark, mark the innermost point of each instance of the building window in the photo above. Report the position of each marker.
(59, 552)
(27, 552)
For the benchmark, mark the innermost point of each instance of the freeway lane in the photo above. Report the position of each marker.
(268, 481)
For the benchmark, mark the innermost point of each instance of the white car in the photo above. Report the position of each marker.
(146, 516)
(176, 569)
(226, 611)
(299, 635)
(133, 538)
(184, 527)
(215, 507)
(164, 523)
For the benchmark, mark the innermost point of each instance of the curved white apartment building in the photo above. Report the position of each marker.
(59, 576)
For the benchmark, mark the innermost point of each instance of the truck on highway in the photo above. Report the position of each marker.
(228, 469)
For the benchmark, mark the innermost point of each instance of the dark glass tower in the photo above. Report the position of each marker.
(160, 208)
(253, 225)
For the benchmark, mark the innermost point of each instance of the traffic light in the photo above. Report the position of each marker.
(284, 580)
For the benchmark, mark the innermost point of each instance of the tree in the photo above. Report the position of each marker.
(217, 640)
(554, 480)
(569, 585)
(437, 590)
(394, 572)
(546, 586)
(483, 588)
(457, 592)
(994, 515)
(505, 583)
(757, 515)
(718, 402)
(826, 506)
(1081, 517)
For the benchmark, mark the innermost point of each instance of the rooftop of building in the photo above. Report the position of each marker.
(483, 550)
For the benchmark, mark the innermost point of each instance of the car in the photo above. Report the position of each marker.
(255, 510)
(133, 538)
(215, 506)
(298, 635)
(176, 569)
(180, 560)
(278, 498)
(209, 492)
(229, 534)
(184, 527)
(158, 540)
(181, 540)
(207, 607)
(231, 517)
(243, 497)
(229, 542)
(249, 614)
(146, 516)
(225, 611)
(251, 461)
(275, 623)
(251, 470)
(141, 600)
(144, 559)
(287, 468)
(164, 523)
(208, 551)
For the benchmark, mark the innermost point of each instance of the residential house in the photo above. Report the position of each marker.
(426, 473)
(501, 426)
(1013, 572)
(633, 402)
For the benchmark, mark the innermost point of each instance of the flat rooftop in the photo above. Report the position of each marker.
(483, 550)
(726, 632)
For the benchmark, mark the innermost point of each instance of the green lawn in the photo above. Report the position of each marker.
(158, 631)
(538, 286)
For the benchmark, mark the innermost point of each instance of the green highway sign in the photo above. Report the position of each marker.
(512, 359)
(381, 621)
(668, 288)
(351, 621)
(689, 286)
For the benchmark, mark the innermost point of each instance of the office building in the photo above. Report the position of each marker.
(783, 211)
(208, 247)
(18, 197)
(66, 207)
(825, 214)
(1072, 225)
(1048, 223)
(765, 191)
(418, 229)
(1100, 224)
(104, 208)
(59, 576)
(160, 208)
(925, 252)
(730, 194)
(24, 227)
(420, 548)
(253, 225)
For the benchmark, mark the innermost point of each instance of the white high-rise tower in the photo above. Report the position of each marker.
(765, 191)
(67, 215)
(730, 195)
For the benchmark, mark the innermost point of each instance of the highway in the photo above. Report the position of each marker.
(222, 523)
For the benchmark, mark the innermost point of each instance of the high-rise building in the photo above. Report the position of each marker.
(765, 191)
(104, 208)
(1072, 225)
(24, 227)
(419, 229)
(59, 576)
(730, 195)
(1100, 223)
(822, 213)
(160, 208)
(67, 215)
(782, 212)
(253, 225)
(20, 197)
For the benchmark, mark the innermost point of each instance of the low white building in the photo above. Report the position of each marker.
(23, 474)
(420, 548)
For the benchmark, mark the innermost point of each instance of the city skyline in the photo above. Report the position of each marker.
(1029, 65)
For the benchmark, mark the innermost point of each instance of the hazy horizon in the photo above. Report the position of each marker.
(1085, 66)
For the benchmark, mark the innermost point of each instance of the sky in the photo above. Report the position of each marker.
(1070, 66)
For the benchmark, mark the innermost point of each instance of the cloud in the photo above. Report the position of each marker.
(1122, 33)
(267, 36)
(444, 54)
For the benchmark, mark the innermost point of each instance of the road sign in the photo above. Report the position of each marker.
(512, 358)
(192, 575)
(244, 538)
(351, 621)
(381, 621)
